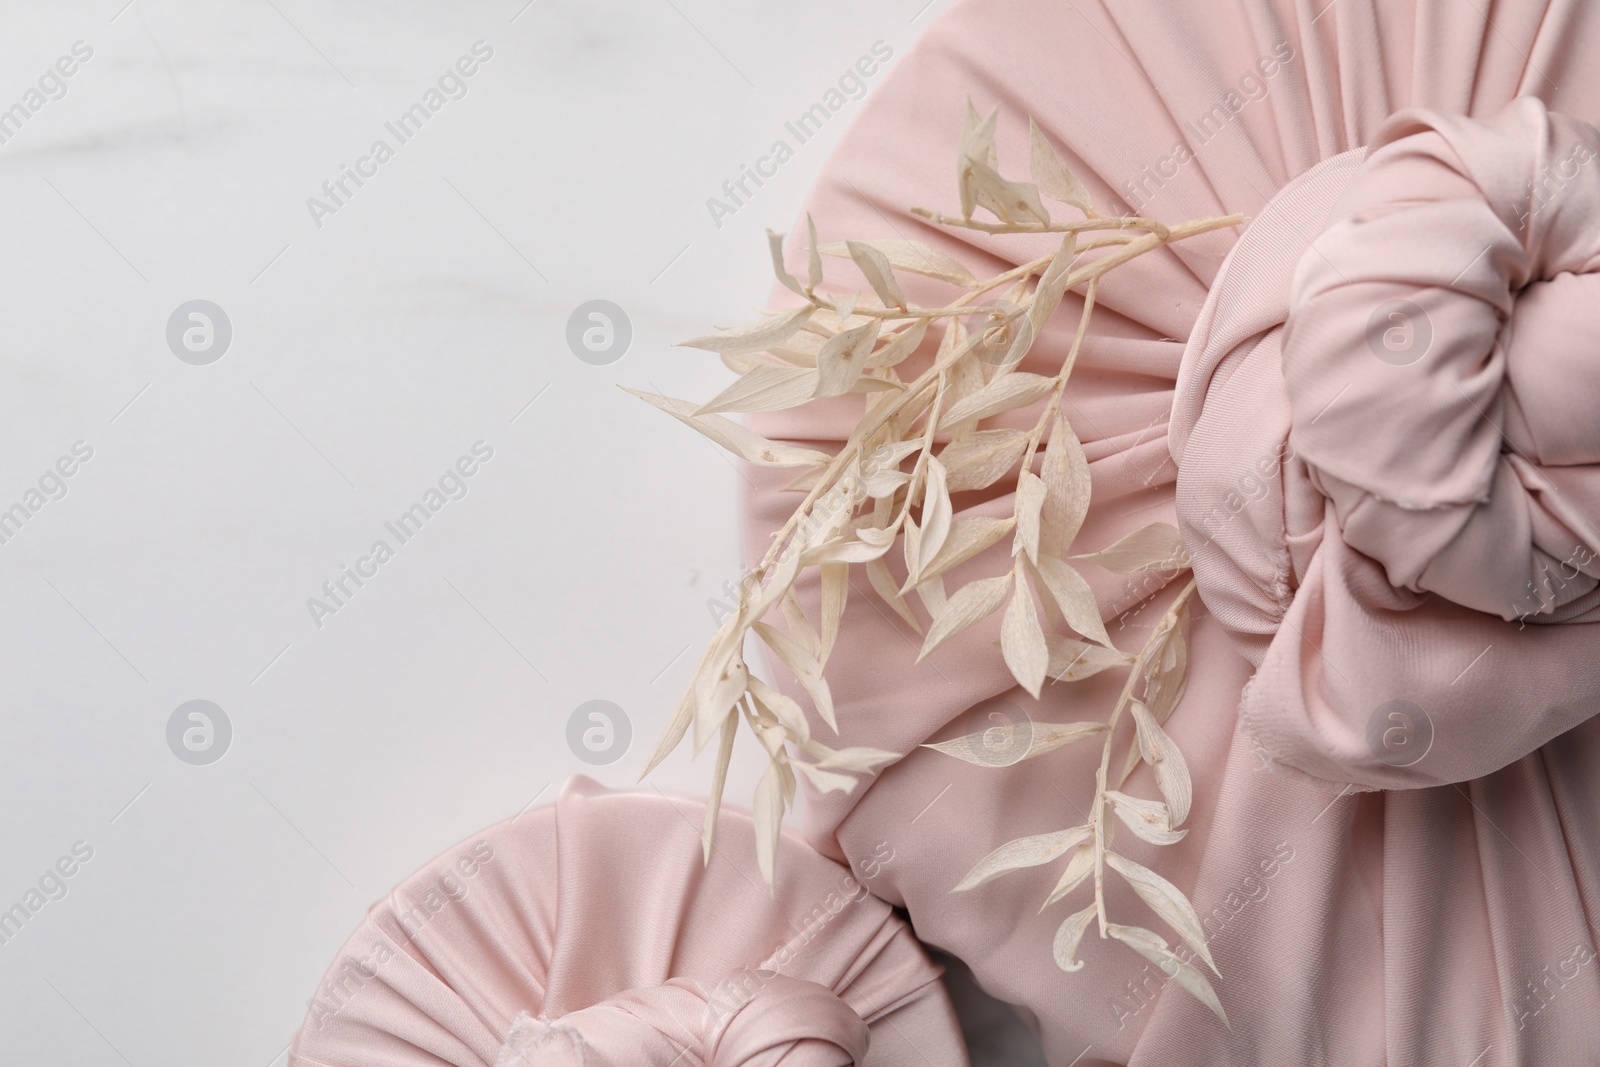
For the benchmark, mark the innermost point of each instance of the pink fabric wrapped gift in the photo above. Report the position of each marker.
(588, 933)
(1370, 411)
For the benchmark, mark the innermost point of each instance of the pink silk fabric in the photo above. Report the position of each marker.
(587, 933)
(1393, 846)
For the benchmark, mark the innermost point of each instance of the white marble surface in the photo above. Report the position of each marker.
(368, 353)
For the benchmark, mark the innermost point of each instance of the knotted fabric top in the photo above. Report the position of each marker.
(589, 933)
(1385, 438)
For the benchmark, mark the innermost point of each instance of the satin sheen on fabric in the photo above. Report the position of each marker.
(587, 933)
(1443, 922)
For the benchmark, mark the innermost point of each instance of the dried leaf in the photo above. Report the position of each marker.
(915, 257)
(756, 337)
(875, 267)
(1075, 599)
(1165, 900)
(976, 459)
(1072, 660)
(803, 666)
(1167, 668)
(1014, 390)
(1021, 853)
(1066, 475)
(936, 511)
(813, 259)
(1004, 746)
(977, 145)
(969, 535)
(719, 778)
(768, 387)
(824, 781)
(1147, 548)
(1068, 935)
(787, 712)
(735, 438)
(768, 814)
(900, 346)
(1009, 201)
(1022, 641)
(1154, 948)
(844, 357)
(775, 246)
(800, 628)
(1148, 819)
(1030, 499)
(883, 582)
(974, 601)
(1166, 759)
(1051, 175)
(835, 593)
(1078, 868)
(859, 758)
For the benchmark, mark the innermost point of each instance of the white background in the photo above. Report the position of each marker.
(367, 356)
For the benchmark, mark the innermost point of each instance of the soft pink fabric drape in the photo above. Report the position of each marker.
(587, 934)
(1447, 921)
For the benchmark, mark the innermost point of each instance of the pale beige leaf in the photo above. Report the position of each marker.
(1148, 819)
(1023, 852)
(775, 246)
(875, 536)
(976, 459)
(977, 144)
(1072, 660)
(1074, 597)
(717, 689)
(768, 814)
(682, 716)
(1167, 674)
(1009, 201)
(911, 544)
(1066, 475)
(931, 592)
(974, 601)
(899, 346)
(835, 593)
(1154, 948)
(803, 666)
(883, 582)
(1147, 548)
(936, 511)
(915, 257)
(756, 337)
(969, 535)
(1010, 744)
(1051, 175)
(1022, 640)
(1030, 499)
(800, 627)
(844, 357)
(843, 550)
(1078, 868)
(890, 456)
(1052, 285)
(1166, 759)
(719, 778)
(735, 438)
(764, 388)
(875, 267)
(1167, 901)
(1068, 936)
(858, 758)
(825, 781)
(788, 712)
(814, 258)
(1014, 390)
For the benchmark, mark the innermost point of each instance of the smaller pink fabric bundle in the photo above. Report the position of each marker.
(1387, 449)
(589, 933)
